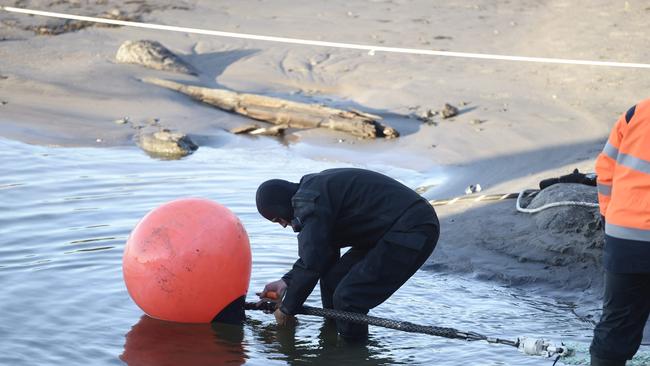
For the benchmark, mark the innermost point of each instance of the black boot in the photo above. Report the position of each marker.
(595, 361)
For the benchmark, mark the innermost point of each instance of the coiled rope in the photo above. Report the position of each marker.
(549, 205)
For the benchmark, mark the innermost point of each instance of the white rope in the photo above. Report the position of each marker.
(473, 198)
(549, 205)
(371, 49)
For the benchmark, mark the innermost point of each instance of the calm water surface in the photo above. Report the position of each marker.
(65, 214)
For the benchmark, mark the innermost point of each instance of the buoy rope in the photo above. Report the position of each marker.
(398, 325)
(535, 347)
(371, 49)
(386, 323)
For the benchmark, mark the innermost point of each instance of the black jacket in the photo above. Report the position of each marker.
(334, 209)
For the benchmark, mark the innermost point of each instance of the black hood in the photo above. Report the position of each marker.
(273, 199)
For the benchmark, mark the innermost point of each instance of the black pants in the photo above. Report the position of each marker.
(626, 306)
(364, 278)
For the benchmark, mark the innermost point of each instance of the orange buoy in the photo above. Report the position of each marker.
(187, 260)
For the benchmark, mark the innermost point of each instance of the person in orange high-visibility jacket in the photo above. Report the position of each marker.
(623, 170)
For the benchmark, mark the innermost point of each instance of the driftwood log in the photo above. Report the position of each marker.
(255, 129)
(283, 112)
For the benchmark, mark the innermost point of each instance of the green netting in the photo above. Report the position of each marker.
(581, 356)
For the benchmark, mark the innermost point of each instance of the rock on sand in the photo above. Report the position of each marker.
(152, 54)
(166, 144)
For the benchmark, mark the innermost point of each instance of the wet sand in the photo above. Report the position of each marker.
(518, 122)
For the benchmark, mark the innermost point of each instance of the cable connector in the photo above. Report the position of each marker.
(541, 347)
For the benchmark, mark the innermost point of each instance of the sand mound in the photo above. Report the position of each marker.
(558, 246)
(153, 55)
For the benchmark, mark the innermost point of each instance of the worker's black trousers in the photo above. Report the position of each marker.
(626, 305)
(362, 279)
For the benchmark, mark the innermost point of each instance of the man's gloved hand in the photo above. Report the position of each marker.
(273, 291)
(283, 319)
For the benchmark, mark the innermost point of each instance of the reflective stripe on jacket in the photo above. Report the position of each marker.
(623, 169)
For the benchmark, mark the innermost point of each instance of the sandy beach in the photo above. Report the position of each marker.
(519, 122)
(67, 89)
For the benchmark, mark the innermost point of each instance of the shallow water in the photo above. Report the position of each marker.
(65, 214)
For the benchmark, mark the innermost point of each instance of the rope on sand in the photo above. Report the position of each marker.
(474, 198)
(526, 193)
(371, 49)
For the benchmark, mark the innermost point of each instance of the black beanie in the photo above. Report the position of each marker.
(273, 199)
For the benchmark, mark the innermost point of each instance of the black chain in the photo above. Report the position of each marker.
(386, 323)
